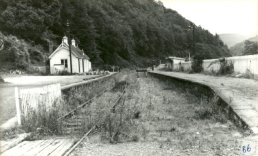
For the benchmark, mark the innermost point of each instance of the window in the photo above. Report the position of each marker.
(64, 62)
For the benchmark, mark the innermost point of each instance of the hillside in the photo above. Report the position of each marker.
(119, 32)
(19, 54)
(239, 48)
(232, 39)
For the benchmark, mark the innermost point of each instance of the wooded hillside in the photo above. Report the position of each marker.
(119, 32)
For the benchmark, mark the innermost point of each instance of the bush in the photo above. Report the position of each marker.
(64, 72)
(1, 80)
(181, 68)
(197, 65)
(226, 67)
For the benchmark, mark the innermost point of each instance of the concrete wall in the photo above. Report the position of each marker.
(242, 64)
(183, 66)
(212, 65)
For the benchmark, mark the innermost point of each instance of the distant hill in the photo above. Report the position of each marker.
(232, 39)
(112, 32)
(238, 49)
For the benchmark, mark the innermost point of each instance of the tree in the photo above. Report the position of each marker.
(250, 48)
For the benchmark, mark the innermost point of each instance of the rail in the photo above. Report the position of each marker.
(94, 126)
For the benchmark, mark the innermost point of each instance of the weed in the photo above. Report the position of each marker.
(137, 115)
(248, 74)
(42, 119)
(135, 138)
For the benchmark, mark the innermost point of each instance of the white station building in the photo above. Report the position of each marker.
(60, 59)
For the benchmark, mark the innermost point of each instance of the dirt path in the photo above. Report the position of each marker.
(171, 122)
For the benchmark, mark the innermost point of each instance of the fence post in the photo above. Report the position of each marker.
(18, 109)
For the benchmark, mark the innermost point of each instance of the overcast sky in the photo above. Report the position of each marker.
(219, 16)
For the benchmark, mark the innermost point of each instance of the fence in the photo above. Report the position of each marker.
(39, 101)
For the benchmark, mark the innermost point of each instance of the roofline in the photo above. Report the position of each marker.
(67, 48)
(173, 57)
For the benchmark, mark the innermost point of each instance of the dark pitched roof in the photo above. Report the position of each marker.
(79, 52)
(75, 50)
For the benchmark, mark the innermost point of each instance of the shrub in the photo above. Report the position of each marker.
(64, 72)
(226, 67)
(197, 65)
(1, 80)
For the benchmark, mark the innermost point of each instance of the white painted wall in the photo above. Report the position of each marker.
(185, 65)
(56, 59)
(241, 64)
(211, 65)
(81, 67)
(64, 54)
(89, 67)
(85, 65)
(75, 64)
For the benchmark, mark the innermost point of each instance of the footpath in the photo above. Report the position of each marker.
(240, 94)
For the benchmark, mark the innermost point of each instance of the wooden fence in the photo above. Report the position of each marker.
(36, 100)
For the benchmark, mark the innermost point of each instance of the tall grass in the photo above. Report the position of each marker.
(42, 121)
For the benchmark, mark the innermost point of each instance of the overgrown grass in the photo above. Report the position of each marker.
(185, 122)
(42, 121)
(115, 118)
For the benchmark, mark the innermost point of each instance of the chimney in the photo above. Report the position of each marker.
(65, 40)
(73, 42)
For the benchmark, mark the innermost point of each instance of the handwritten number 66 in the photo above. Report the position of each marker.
(246, 148)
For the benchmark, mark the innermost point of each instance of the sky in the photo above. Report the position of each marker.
(219, 16)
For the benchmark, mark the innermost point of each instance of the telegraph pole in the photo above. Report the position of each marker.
(193, 27)
(69, 44)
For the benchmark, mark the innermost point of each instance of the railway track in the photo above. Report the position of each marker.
(73, 114)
